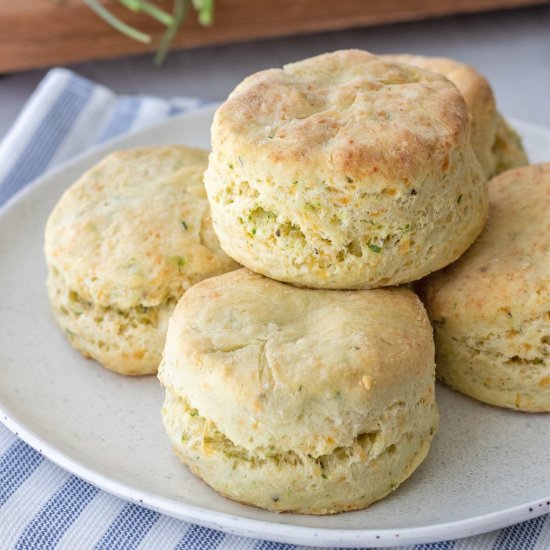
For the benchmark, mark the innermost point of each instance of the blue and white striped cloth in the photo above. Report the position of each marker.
(41, 505)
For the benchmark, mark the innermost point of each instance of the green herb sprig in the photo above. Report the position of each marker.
(172, 21)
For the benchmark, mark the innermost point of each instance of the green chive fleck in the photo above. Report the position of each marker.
(459, 199)
(324, 476)
(375, 248)
(184, 225)
(178, 260)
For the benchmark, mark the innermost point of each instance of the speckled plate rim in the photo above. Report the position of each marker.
(235, 524)
(281, 532)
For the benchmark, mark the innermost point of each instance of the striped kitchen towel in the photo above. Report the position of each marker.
(41, 505)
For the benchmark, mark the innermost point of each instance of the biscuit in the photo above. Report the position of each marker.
(122, 245)
(344, 171)
(496, 144)
(290, 399)
(491, 309)
(508, 148)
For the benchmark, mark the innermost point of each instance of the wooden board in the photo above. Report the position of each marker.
(36, 33)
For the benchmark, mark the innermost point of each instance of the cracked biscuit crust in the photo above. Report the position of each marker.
(131, 235)
(491, 309)
(345, 171)
(295, 383)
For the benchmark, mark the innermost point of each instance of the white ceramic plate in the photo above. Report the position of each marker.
(487, 468)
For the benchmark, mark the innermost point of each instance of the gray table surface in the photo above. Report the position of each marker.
(512, 48)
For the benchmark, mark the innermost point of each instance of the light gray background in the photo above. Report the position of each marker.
(512, 48)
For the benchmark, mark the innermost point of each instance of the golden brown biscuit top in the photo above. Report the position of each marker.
(135, 229)
(472, 85)
(506, 273)
(251, 353)
(347, 112)
(478, 95)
